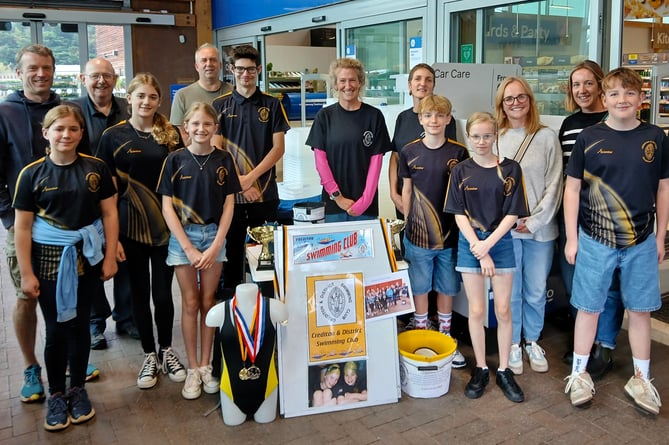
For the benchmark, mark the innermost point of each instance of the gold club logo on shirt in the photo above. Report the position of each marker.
(221, 175)
(509, 185)
(649, 149)
(93, 181)
(263, 114)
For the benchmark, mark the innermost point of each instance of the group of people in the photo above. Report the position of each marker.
(156, 198)
(96, 184)
(506, 201)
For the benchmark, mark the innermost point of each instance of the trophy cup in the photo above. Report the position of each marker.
(396, 227)
(263, 235)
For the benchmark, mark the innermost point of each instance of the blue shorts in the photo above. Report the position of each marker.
(201, 236)
(639, 275)
(431, 269)
(502, 254)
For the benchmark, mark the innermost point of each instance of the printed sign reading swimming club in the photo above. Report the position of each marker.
(334, 246)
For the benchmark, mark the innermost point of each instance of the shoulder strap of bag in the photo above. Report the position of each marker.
(523, 147)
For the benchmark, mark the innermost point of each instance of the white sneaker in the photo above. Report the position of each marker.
(644, 394)
(580, 388)
(210, 384)
(459, 361)
(516, 359)
(172, 366)
(192, 388)
(537, 357)
(148, 375)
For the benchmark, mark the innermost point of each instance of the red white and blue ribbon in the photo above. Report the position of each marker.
(250, 340)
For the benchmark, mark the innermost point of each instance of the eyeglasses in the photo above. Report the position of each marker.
(521, 98)
(248, 69)
(97, 76)
(481, 137)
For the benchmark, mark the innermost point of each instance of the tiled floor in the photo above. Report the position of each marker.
(127, 415)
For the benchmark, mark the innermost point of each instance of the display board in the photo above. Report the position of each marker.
(471, 87)
(321, 271)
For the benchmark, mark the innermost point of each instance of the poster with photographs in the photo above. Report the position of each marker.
(336, 317)
(340, 383)
(321, 271)
(388, 296)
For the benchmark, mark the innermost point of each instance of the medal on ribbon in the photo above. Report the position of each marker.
(250, 339)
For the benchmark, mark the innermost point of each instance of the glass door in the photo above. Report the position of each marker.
(387, 49)
(72, 45)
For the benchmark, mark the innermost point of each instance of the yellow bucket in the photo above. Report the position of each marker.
(425, 362)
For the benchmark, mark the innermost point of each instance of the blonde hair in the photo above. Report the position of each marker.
(480, 117)
(162, 131)
(351, 367)
(344, 63)
(436, 103)
(532, 124)
(483, 117)
(200, 106)
(60, 112)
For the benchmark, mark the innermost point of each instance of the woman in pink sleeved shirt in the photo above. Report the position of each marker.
(349, 139)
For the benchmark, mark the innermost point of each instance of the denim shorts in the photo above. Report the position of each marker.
(502, 254)
(201, 236)
(639, 275)
(431, 269)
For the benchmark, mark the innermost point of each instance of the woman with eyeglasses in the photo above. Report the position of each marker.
(536, 148)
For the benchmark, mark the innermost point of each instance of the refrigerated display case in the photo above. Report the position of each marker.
(655, 108)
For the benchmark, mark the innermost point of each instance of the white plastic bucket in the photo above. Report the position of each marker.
(309, 213)
(425, 363)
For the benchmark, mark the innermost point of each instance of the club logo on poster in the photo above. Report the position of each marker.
(336, 317)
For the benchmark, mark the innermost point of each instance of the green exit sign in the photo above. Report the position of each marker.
(467, 53)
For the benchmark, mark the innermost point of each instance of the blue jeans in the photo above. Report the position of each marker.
(596, 264)
(611, 319)
(528, 295)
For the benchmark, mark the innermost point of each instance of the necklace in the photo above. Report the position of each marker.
(198, 162)
(139, 135)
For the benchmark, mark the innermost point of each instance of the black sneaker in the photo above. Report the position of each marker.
(510, 388)
(600, 361)
(80, 406)
(57, 416)
(129, 329)
(98, 341)
(477, 384)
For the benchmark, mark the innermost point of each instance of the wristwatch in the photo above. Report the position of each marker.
(335, 195)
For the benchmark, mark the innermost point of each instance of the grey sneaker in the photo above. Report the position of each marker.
(537, 357)
(580, 388)
(516, 359)
(644, 394)
(172, 366)
(148, 375)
